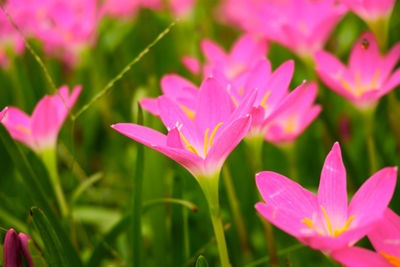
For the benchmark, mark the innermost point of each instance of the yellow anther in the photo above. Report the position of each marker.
(214, 132)
(327, 220)
(265, 99)
(189, 146)
(346, 85)
(234, 101)
(206, 141)
(23, 129)
(391, 259)
(188, 111)
(357, 79)
(307, 222)
(345, 227)
(375, 79)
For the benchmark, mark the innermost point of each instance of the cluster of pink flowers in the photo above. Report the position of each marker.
(67, 27)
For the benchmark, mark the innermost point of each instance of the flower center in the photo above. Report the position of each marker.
(332, 232)
(208, 141)
(391, 259)
(360, 88)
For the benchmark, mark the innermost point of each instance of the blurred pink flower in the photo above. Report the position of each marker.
(385, 238)
(39, 132)
(234, 65)
(326, 221)
(370, 10)
(203, 143)
(303, 26)
(296, 113)
(369, 75)
(181, 8)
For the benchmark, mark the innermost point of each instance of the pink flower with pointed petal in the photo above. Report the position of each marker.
(385, 238)
(369, 75)
(3, 113)
(370, 10)
(200, 144)
(326, 221)
(13, 245)
(245, 53)
(296, 113)
(39, 131)
(303, 26)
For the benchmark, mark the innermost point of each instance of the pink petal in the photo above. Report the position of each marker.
(179, 89)
(286, 202)
(173, 116)
(365, 58)
(212, 52)
(214, 105)
(248, 49)
(390, 61)
(392, 82)
(371, 200)
(158, 142)
(192, 64)
(257, 78)
(332, 192)
(359, 257)
(226, 141)
(46, 122)
(151, 105)
(18, 125)
(386, 235)
(174, 139)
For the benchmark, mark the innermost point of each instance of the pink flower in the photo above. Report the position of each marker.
(370, 10)
(245, 53)
(303, 26)
(13, 245)
(200, 144)
(326, 221)
(3, 113)
(369, 75)
(385, 238)
(39, 132)
(296, 113)
(181, 8)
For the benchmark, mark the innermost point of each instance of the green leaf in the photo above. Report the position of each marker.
(53, 253)
(84, 186)
(36, 255)
(201, 262)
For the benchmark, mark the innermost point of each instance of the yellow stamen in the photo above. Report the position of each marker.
(265, 100)
(345, 227)
(234, 101)
(359, 88)
(375, 79)
(188, 111)
(307, 222)
(214, 132)
(23, 129)
(391, 259)
(189, 146)
(327, 220)
(346, 85)
(206, 141)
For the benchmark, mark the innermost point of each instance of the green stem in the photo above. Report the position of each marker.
(254, 151)
(209, 185)
(292, 162)
(393, 113)
(368, 121)
(237, 214)
(49, 158)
